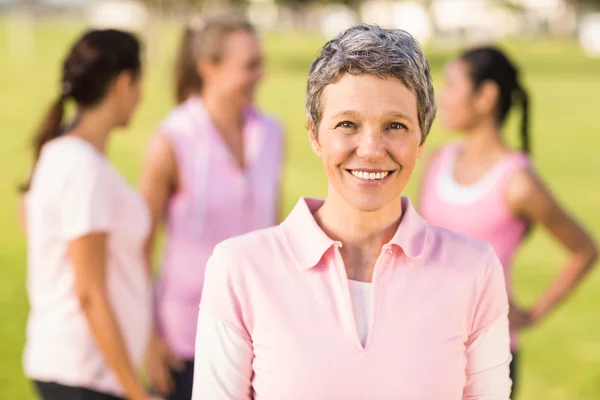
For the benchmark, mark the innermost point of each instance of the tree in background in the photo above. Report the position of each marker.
(591, 4)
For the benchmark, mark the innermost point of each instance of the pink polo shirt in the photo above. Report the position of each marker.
(276, 319)
(216, 200)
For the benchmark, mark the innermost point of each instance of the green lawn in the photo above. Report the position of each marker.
(561, 357)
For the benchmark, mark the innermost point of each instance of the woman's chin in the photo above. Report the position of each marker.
(368, 204)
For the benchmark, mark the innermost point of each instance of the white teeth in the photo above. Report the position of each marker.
(369, 175)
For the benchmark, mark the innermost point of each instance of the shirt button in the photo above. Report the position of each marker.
(389, 250)
(338, 245)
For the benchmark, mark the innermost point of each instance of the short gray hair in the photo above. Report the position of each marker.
(369, 49)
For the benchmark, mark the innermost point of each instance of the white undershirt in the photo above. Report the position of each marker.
(360, 294)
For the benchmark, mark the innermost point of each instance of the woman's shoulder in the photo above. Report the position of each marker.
(248, 261)
(477, 272)
(517, 160)
(253, 248)
(177, 120)
(460, 251)
(273, 124)
(71, 152)
(456, 240)
(70, 164)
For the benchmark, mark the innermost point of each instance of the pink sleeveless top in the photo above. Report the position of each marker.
(216, 200)
(478, 210)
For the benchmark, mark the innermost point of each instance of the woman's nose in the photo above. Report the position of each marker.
(371, 145)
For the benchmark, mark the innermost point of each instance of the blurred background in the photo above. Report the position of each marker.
(556, 43)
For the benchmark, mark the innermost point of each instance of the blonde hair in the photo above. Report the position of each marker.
(202, 39)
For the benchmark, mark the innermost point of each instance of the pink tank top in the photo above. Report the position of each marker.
(478, 210)
(216, 200)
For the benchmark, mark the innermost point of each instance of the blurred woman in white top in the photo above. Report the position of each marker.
(88, 284)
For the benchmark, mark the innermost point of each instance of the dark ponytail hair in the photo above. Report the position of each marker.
(93, 63)
(491, 64)
(203, 38)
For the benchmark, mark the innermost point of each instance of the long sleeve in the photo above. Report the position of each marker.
(488, 362)
(223, 362)
(224, 353)
(488, 348)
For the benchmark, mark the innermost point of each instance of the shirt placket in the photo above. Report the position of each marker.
(350, 326)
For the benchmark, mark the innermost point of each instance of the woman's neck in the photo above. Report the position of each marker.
(225, 114)
(358, 231)
(484, 141)
(94, 127)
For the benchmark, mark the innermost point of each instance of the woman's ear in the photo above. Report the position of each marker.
(205, 68)
(122, 84)
(486, 98)
(312, 137)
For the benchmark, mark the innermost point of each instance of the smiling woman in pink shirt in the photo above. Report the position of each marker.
(212, 172)
(356, 296)
(87, 281)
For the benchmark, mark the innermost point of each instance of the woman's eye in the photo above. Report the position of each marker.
(346, 125)
(397, 125)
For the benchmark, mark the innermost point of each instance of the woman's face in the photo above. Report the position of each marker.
(240, 68)
(128, 95)
(369, 139)
(457, 100)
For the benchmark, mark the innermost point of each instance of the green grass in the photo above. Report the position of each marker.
(560, 356)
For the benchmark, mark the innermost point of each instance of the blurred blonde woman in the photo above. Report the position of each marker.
(212, 172)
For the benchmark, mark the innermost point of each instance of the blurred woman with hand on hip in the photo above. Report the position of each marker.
(483, 188)
(88, 284)
(212, 172)
(356, 296)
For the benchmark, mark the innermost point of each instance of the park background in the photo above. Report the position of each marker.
(556, 43)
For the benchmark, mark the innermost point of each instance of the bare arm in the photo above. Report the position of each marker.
(88, 256)
(529, 198)
(158, 182)
(21, 214)
(279, 200)
(279, 205)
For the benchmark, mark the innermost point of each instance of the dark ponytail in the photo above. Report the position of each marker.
(49, 129)
(491, 64)
(524, 98)
(93, 63)
(50, 126)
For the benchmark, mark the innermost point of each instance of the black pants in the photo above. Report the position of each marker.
(514, 365)
(56, 391)
(183, 382)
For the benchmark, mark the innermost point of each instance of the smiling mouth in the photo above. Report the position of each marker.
(368, 175)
